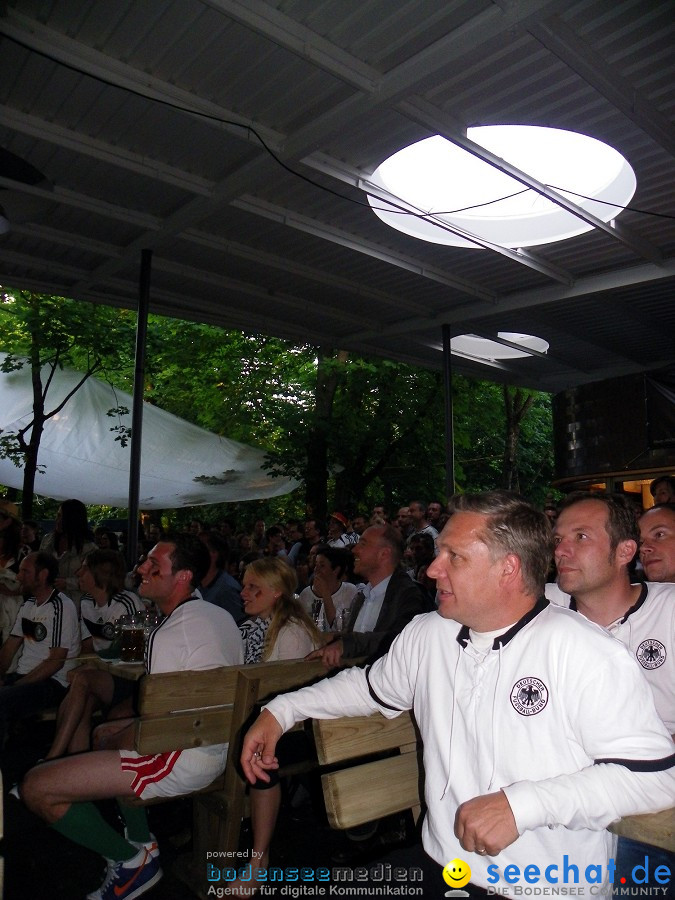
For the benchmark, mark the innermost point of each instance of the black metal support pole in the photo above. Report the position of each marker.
(449, 429)
(137, 412)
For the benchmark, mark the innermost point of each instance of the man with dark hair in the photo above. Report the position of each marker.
(657, 542)
(522, 708)
(384, 605)
(378, 515)
(47, 634)
(436, 515)
(662, 489)
(193, 635)
(217, 585)
(403, 522)
(596, 538)
(359, 524)
(312, 535)
(420, 522)
(276, 542)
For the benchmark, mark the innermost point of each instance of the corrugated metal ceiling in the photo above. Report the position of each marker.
(144, 116)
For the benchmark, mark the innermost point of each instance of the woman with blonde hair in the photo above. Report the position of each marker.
(278, 626)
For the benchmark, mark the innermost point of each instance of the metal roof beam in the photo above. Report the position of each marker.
(305, 43)
(536, 297)
(585, 60)
(112, 154)
(311, 226)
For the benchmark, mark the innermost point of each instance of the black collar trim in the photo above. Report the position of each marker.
(634, 608)
(638, 603)
(503, 639)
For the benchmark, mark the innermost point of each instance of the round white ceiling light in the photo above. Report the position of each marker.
(441, 179)
(483, 348)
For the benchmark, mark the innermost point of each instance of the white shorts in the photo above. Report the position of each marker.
(173, 773)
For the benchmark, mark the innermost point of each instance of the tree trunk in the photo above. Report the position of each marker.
(329, 372)
(516, 407)
(33, 448)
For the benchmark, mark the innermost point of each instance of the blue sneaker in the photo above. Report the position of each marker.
(129, 878)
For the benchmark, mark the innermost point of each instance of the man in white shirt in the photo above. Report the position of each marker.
(420, 523)
(47, 633)
(596, 538)
(194, 635)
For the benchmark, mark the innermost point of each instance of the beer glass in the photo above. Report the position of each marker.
(132, 639)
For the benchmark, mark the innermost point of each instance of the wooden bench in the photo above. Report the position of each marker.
(655, 829)
(366, 790)
(179, 710)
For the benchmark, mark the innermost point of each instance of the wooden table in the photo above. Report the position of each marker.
(132, 671)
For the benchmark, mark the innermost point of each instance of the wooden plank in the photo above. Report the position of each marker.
(372, 790)
(170, 691)
(178, 731)
(274, 677)
(351, 737)
(655, 829)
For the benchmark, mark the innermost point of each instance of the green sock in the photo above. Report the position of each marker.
(136, 820)
(85, 825)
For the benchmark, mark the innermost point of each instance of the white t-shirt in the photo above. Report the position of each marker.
(98, 622)
(197, 635)
(293, 642)
(648, 630)
(342, 599)
(45, 626)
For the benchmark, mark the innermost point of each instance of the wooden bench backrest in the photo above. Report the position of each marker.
(194, 709)
(186, 709)
(369, 789)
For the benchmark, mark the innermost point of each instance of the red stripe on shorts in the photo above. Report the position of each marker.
(149, 769)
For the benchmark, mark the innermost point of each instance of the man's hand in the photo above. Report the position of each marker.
(257, 752)
(331, 654)
(486, 824)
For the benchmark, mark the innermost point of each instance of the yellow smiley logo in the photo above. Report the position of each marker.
(456, 873)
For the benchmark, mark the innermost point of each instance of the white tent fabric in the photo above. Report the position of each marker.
(181, 464)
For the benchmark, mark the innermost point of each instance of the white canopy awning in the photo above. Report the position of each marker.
(181, 464)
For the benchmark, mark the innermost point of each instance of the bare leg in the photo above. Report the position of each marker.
(264, 811)
(91, 689)
(49, 790)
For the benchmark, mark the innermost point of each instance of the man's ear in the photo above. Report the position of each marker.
(511, 566)
(625, 551)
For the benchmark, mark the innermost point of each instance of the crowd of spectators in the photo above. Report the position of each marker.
(338, 589)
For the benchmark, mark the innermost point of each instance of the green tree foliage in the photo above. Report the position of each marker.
(356, 431)
(482, 438)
